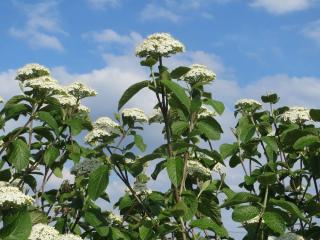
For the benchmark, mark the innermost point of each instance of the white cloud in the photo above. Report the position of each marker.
(103, 4)
(110, 36)
(312, 30)
(41, 26)
(156, 12)
(282, 6)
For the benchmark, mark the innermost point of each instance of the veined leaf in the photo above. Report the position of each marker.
(274, 221)
(217, 105)
(131, 91)
(98, 181)
(245, 213)
(49, 119)
(19, 154)
(179, 92)
(208, 224)
(175, 170)
(306, 141)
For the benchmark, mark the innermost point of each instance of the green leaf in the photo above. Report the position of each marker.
(179, 209)
(19, 154)
(38, 216)
(138, 140)
(15, 110)
(145, 233)
(191, 202)
(271, 142)
(241, 197)
(58, 172)
(275, 222)
(175, 170)
(267, 178)
(49, 119)
(178, 72)
(208, 224)
(149, 62)
(178, 127)
(118, 234)
(95, 218)
(272, 98)
(289, 206)
(98, 181)
(75, 126)
(227, 150)
(5, 175)
(179, 92)
(305, 141)
(245, 213)
(217, 105)
(50, 155)
(210, 128)
(315, 114)
(245, 130)
(130, 92)
(20, 228)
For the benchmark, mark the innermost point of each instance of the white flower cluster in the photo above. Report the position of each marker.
(102, 127)
(159, 44)
(248, 105)
(44, 83)
(287, 236)
(199, 74)
(156, 116)
(219, 168)
(86, 166)
(83, 109)
(140, 188)
(136, 114)
(114, 218)
(12, 196)
(1, 99)
(80, 90)
(66, 100)
(43, 232)
(206, 112)
(69, 236)
(32, 70)
(196, 168)
(296, 115)
(253, 220)
(106, 123)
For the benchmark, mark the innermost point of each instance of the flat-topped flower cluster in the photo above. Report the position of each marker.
(296, 115)
(86, 166)
(199, 74)
(248, 105)
(37, 78)
(11, 197)
(196, 168)
(45, 232)
(159, 45)
(103, 127)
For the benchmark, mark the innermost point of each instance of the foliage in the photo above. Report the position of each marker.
(278, 150)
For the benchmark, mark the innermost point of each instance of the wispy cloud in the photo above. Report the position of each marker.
(157, 12)
(41, 25)
(279, 7)
(110, 36)
(103, 4)
(312, 30)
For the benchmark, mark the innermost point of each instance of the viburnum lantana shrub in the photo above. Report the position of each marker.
(278, 150)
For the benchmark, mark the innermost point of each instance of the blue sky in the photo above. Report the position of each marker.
(254, 46)
(253, 39)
